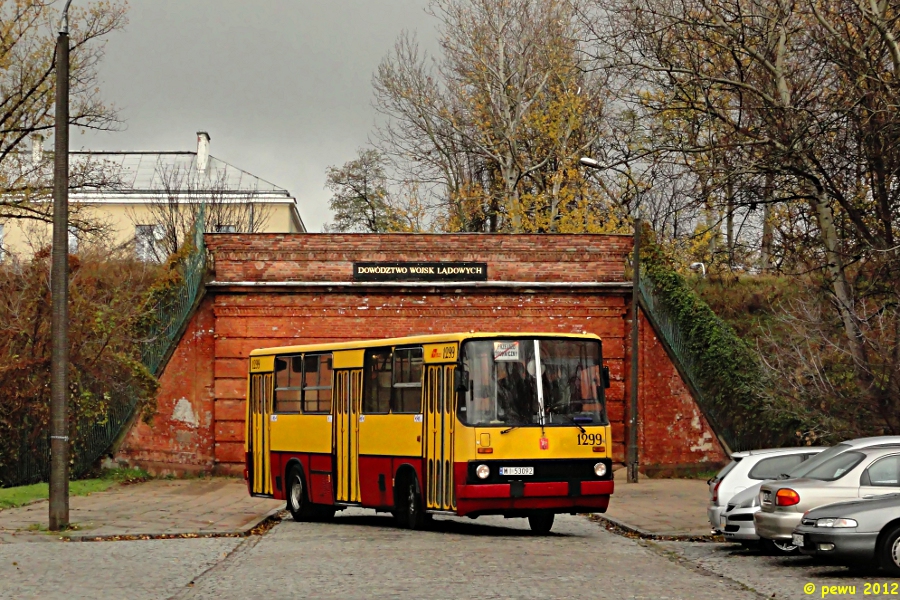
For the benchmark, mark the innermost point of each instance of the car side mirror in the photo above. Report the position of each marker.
(605, 377)
(461, 380)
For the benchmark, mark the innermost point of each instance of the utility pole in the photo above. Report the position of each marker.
(631, 452)
(635, 315)
(59, 290)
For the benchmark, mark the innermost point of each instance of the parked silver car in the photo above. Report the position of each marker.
(855, 532)
(739, 525)
(853, 474)
(747, 469)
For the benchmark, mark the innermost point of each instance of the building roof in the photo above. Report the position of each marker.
(153, 172)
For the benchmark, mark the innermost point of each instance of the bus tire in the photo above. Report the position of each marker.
(410, 512)
(541, 522)
(297, 499)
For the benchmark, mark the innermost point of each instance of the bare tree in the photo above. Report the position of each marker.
(185, 194)
(27, 80)
(495, 126)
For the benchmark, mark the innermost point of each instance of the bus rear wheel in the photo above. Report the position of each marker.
(541, 523)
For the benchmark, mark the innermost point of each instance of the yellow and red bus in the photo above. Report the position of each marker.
(468, 424)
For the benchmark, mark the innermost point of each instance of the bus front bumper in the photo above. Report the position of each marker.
(557, 496)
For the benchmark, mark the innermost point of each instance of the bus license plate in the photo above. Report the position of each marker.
(517, 470)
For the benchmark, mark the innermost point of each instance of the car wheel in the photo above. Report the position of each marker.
(777, 548)
(297, 501)
(890, 552)
(541, 523)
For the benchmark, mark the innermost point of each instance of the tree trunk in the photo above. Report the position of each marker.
(841, 288)
(765, 253)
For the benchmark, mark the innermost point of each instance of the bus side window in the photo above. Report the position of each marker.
(288, 370)
(377, 391)
(407, 380)
(317, 380)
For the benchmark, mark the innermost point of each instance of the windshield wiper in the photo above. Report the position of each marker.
(507, 430)
(784, 476)
(573, 422)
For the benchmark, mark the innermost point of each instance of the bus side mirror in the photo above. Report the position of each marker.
(606, 377)
(461, 380)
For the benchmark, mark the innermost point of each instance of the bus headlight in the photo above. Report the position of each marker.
(600, 469)
(482, 471)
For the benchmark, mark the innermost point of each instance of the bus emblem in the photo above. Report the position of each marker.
(545, 443)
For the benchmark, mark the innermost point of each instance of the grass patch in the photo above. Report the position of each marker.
(26, 494)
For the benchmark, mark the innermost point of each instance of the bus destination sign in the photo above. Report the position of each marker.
(420, 271)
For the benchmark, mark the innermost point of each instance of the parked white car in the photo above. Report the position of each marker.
(747, 469)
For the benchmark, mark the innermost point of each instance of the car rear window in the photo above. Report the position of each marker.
(837, 466)
(805, 467)
(771, 468)
(721, 474)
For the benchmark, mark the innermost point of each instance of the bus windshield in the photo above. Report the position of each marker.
(504, 388)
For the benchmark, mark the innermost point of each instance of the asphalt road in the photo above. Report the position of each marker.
(361, 555)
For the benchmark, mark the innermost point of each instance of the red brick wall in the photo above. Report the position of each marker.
(234, 320)
(180, 437)
(673, 430)
(330, 257)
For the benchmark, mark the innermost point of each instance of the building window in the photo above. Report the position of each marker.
(220, 228)
(147, 242)
(317, 378)
(377, 397)
(407, 381)
(73, 240)
(288, 380)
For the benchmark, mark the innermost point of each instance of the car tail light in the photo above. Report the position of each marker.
(715, 497)
(786, 497)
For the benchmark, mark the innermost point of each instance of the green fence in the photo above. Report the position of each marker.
(95, 439)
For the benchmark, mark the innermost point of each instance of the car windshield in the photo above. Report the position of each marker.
(805, 467)
(836, 467)
(504, 388)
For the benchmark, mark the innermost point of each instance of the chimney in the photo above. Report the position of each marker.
(37, 148)
(202, 151)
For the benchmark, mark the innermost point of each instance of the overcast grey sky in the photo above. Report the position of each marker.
(282, 86)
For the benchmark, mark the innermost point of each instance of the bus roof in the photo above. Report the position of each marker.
(415, 339)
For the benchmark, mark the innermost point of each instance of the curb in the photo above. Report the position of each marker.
(259, 526)
(621, 528)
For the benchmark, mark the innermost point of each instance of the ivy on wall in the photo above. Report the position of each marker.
(723, 366)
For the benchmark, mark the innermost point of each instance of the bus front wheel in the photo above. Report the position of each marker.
(410, 513)
(541, 523)
(297, 501)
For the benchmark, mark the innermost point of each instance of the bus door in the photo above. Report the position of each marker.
(347, 405)
(261, 387)
(440, 418)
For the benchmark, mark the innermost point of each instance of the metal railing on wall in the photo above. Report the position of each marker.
(93, 439)
(686, 361)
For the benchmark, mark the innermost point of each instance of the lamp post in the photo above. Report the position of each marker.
(632, 451)
(59, 290)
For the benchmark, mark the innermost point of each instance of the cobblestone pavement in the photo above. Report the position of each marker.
(140, 570)
(780, 577)
(360, 555)
(202, 506)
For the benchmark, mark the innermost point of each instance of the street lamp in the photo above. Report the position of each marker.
(59, 290)
(632, 457)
